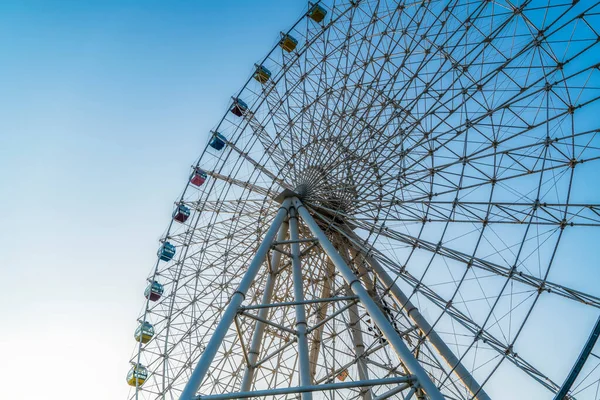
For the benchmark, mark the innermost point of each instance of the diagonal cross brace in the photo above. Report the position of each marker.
(193, 384)
(419, 374)
(372, 308)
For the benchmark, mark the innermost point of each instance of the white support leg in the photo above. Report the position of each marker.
(376, 314)
(259, 330)
(436, 341)
(357, 338)
(193, 384)
(321, 312)
(303, 353)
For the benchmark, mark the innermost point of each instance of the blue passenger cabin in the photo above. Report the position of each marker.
(218, 141)
(144, 332)
(317, 13)
(262, 74)
(288, 43)
(181, 213)
(238, 107)
(154, 291)
(166, 251)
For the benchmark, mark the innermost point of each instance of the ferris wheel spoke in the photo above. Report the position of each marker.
(539, 284)
(272, 148)
(479, 334)
(525, 91)
(450, 309)
(473, 212)
(220, 235)
(357, 88)
(517, 155)
(415, 75)
(282, 122)
(493, 145)
(244, 185)
(278, 100)
(258, 166)
(379, 71)
(505, 179)
(485, 156)
(232, 206)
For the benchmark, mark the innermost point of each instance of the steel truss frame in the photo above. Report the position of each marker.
(287, 220)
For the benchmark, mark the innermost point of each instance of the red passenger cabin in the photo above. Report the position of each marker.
(198, 177)
(181, 213)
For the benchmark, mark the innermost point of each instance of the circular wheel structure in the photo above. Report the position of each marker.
(447, 151)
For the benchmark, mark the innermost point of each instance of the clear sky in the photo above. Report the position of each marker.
(103, 107)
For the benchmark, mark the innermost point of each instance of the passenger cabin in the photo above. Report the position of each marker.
(154, 291)
(262, 74)
(238, 107)
(166, 251)
(137, 375)
(288, 43)
(218, 141)
(317, 13)
(343, 375)
(198, 177)
(181, 213)
(144, 332)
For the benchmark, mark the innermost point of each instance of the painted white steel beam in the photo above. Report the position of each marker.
(396, 342)
(193, 384)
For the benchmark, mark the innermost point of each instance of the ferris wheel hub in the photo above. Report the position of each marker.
(285, 194)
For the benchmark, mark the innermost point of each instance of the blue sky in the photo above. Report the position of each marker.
(104, 105)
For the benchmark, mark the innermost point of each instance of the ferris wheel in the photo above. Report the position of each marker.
(397, 204)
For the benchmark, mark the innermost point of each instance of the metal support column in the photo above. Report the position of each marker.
(259, 330)
(410, 394)
(321, 313)
(357, 338)
(189, 392)
(271, 393)
(303, 357)
(436, 341)
(376, 314)
(391, 392)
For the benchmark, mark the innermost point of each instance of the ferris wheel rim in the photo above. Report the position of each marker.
(268, 203)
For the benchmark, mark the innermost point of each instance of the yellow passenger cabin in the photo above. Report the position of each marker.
(262, 74)
(317, 13)
(137, 375)
(288, 43)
